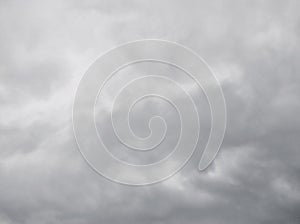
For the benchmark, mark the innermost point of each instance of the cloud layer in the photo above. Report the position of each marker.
(253, 47)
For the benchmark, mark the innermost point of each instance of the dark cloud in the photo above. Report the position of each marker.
(253, 46)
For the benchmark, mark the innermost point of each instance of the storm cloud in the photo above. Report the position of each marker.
(253, 47)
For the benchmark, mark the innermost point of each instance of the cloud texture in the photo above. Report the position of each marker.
(253, 46)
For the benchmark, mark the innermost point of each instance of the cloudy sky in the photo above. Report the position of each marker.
(253, 47)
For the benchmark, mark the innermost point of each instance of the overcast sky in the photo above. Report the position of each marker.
(253, 47)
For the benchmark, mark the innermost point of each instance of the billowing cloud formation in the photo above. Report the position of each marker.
(253, 47)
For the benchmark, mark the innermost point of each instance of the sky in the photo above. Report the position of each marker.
(253, 48)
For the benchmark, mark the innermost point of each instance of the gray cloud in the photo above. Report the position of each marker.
(253, 46)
